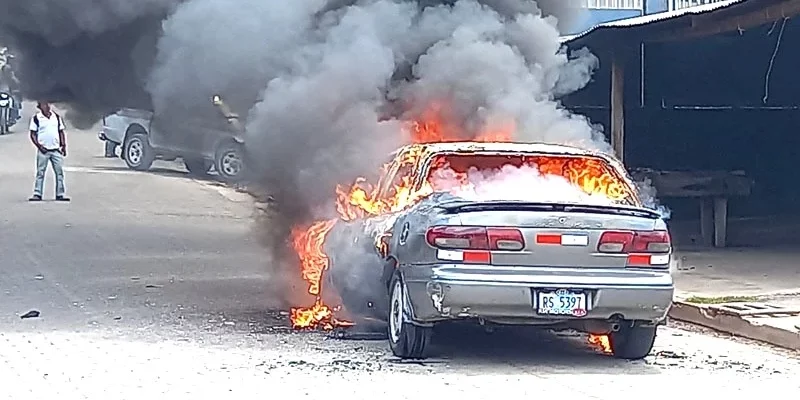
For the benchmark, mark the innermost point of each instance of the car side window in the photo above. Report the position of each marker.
(398, 176)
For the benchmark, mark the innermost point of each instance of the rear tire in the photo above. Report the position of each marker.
(407, 341)
(138, 154)
(4, 121)
(197, 166)
(632, 342)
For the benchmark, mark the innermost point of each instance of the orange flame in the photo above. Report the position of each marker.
(432, 126)
(601, 342)
(362, 200)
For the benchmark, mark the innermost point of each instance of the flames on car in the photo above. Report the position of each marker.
(361, 199)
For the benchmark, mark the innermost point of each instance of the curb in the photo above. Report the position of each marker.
(735, 325)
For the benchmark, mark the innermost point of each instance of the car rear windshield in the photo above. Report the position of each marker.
(551, 178)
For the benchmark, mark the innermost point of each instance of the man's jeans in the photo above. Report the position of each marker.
(55, 158)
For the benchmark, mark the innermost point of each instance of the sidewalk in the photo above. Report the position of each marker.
(737, 271)
(750, 292)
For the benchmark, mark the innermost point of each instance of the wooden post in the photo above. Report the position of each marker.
(707, 221)
(617, 106)
(720, 221)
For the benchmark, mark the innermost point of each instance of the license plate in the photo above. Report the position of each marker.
(561, 302)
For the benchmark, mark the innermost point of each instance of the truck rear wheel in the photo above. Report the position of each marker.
(138, 154)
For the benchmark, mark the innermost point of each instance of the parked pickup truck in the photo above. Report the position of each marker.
(204, 144)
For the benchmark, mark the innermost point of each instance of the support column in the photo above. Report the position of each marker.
(720, 221)
(618, 106)
(707, 221)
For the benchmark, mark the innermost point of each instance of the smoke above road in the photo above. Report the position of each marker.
(327, 86)
(92, 55)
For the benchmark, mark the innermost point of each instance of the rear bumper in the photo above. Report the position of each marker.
(110, 135)
(450, 291)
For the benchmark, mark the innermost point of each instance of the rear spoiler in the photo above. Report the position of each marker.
(474, 206)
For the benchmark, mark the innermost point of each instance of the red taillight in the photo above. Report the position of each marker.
(615, 242)
(458, 237)
(475, 238)
(634, 242)
(644, 248)
(652, 242)
(505, 239)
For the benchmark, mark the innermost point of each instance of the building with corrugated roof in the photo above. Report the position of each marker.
(704, 100)
(595, 12)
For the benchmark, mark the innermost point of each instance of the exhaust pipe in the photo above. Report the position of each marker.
(615, 327)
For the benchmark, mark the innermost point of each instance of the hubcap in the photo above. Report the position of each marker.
(396, 316)
(135, 152)
(231, 164)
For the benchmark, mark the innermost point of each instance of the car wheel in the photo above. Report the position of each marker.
(229, 162)
(406, 340)
(632, 342)
(138, 153)
(197, 166)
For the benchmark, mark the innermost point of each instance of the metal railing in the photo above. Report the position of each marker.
(614, 4)
(679, 4)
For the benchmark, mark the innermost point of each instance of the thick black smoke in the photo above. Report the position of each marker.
(325, 85)
(93, 55)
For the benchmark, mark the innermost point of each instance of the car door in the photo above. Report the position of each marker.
(163, 133)
(204, 132)
(380, 226)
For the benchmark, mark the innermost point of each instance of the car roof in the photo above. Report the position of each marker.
(469, 147)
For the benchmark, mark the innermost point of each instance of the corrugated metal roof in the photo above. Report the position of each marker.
(649, 19)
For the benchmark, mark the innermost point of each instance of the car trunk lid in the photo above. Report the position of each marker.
(565, 235)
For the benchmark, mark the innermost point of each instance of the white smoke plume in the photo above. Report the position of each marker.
(523, 183)
(647, 192)
(355, 73)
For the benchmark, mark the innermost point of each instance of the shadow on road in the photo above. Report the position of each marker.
(176, 172)
(520, 346)
(153, 170)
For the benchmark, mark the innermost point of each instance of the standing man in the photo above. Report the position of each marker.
(47, 134)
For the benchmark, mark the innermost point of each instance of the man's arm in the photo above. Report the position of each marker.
(34, 133)
(62, 138)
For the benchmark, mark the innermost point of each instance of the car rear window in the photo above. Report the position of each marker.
(592, 175)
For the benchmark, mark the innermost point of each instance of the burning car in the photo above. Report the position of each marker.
(505, 233)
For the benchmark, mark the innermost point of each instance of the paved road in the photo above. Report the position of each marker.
(150, 284)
